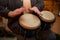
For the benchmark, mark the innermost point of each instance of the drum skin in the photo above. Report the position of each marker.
(47, 16)
(29, 21)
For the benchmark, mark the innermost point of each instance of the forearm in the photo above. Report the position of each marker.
(5, 12)
(16, 12)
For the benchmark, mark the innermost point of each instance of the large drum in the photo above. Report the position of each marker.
(29, 21)
(47, 19)
(29, 24)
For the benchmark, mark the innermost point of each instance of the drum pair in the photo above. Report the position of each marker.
(31, 24)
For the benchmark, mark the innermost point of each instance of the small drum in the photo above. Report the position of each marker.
(47, 19)
(47, 16)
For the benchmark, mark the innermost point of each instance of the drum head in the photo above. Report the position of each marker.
(47, 16)
(29, 21)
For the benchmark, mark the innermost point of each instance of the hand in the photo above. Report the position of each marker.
(16, 12)
(35, 9)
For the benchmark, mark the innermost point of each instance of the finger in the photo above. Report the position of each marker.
(40, 14)
(30, 10)
(17, 11)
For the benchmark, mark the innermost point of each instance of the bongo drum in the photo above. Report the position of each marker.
(47, 16)
(28, 22)
(47, 19)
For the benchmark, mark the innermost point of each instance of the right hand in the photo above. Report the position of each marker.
(36, 10)
(16, 12)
